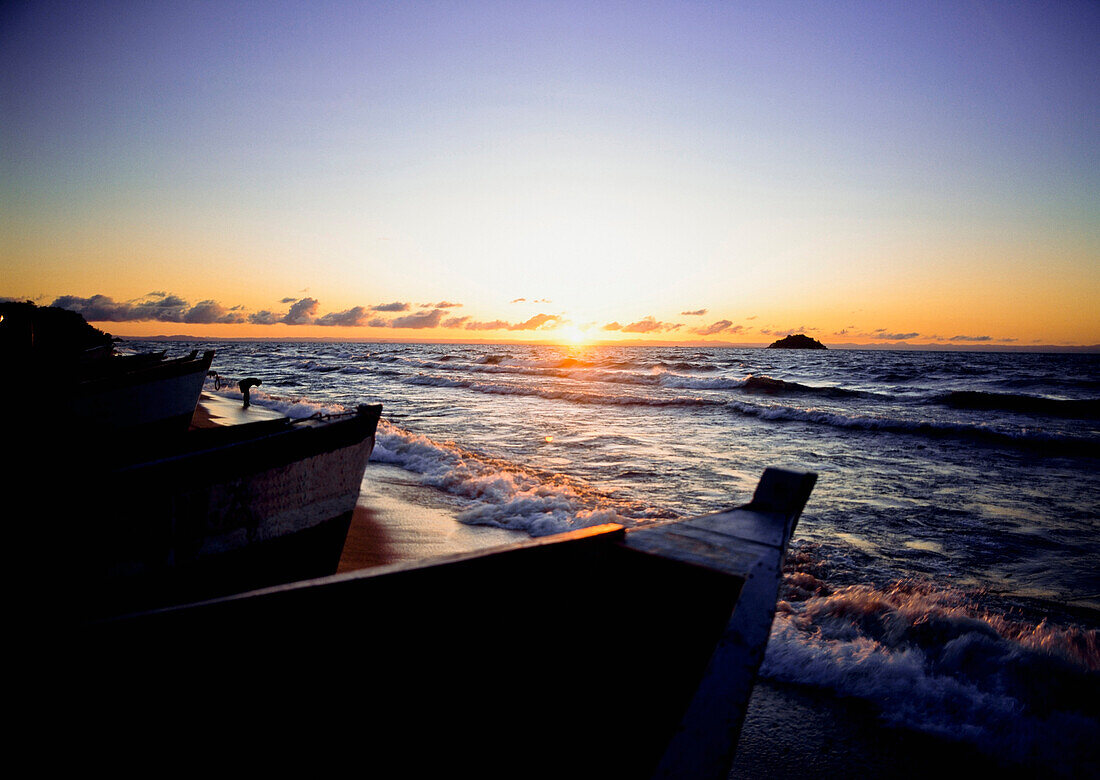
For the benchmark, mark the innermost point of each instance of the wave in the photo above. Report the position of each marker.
(294, 408)
(1029, 438)
(504, 494)
(313, 365)
(931, 659)
(687, 366)
(571, 396)
(1048, 443)
(656, 376)
(1022, 403)
(760, 384)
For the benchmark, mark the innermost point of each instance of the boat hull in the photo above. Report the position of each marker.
(599, 653)
(134, 396)
(230, 509)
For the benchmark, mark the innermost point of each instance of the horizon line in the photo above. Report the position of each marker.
(899, 346)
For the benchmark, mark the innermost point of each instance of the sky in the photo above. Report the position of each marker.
(864, 173)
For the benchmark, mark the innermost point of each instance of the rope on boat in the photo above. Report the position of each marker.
(324, 416)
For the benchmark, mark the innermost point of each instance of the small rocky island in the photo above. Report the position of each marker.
(800, 341)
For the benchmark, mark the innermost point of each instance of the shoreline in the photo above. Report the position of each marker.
(397, 519)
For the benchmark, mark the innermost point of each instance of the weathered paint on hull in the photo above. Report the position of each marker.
(243, 508)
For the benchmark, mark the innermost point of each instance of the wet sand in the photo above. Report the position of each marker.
(398, 519)
(790, 731)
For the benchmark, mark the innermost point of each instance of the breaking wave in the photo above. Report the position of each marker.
(1022, 404)
(572, 396)
(759, 384)
(503, 494)
(1029, 438)
(928, 658)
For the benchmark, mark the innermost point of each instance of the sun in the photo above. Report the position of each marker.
(571, 334)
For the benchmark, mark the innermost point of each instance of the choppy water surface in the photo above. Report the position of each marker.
(946, 570)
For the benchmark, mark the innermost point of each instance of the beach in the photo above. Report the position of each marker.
(398, 520)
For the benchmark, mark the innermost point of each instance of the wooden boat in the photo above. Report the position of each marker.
(81, 389)
(136, 395)
(217, 511)
(604, 652)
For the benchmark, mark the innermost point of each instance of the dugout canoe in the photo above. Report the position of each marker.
(604, 652)
(216, 511)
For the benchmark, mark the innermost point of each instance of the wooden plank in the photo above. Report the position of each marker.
(549, 658)
(704, 744)
(699, 545)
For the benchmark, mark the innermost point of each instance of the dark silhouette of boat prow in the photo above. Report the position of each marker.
(604, 652)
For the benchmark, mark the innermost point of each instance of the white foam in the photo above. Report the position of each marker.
(294, 408)
(929, 663)
(501, 494)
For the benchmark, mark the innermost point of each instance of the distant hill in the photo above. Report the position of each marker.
(799, 341)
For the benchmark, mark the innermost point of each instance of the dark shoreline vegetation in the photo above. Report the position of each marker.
(48, 333)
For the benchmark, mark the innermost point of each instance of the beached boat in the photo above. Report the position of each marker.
(82, 390)
(218, 510)
(603, 652)
(134, 395)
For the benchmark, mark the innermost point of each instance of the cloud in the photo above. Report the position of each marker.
(518, 300)
(544, 321)
(613, 326)
(650, 325)
(157, 306)
(445, 305)
(208, 312)
(166, 307)
(98, 308)
(697, 313)
(302, 312)
(493, 325)
(721, 326)
(351, 318)
(421, 319)
(882, 334)
(971, 338)
(536, 322)
(455, 322)
(264, 317)
(786, 332)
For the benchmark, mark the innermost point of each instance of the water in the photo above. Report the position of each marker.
(946, 572)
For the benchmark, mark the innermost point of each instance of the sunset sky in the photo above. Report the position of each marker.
(680, 171)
